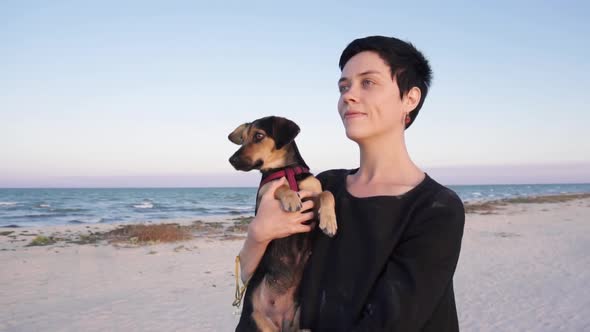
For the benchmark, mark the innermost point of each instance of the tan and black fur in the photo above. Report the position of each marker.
(270, 303)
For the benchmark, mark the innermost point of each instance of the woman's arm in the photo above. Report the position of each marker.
(270, 223)
(419, 270)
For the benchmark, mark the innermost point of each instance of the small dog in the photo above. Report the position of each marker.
(267, 144)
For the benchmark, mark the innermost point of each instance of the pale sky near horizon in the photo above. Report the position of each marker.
(149, 90)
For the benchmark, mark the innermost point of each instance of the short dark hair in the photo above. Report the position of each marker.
(408, 65)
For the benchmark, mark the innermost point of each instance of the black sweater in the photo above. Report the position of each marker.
(390, 267)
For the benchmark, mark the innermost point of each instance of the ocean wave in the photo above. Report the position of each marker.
(144, 205)
(192, 209)
(44, 205)
(234, 212)
(108, 220)
(8, 203)
(68, 210)
(217, 210)
(43, 215)
(229, 208)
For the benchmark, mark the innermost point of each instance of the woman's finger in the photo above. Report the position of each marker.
(302, 228)
(307, 205)
(303, 217)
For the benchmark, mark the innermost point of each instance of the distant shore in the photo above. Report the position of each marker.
(495, 206)
(523, 267)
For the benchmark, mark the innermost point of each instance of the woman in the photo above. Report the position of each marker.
(390, 267)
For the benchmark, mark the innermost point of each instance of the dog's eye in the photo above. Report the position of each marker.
(258, 137)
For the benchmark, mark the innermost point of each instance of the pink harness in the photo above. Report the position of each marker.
(289, 173)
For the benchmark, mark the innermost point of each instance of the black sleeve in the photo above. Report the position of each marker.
(419, 270)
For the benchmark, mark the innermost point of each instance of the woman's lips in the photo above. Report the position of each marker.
(351, 115)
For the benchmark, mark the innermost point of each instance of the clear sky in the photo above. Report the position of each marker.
(117, 93)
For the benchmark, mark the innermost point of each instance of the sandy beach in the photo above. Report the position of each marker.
(524, 266)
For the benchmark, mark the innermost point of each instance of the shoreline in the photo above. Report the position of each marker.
(489, 206)
(222, 227)
(210, 227)
(497, 205)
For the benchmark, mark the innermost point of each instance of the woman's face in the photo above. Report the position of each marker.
(370, 103)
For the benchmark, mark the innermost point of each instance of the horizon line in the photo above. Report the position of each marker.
(523, 174)
(255, 187)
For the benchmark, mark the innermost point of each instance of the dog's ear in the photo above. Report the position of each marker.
(284, 131)
(237, 136)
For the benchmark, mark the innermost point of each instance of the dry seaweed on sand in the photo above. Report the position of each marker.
(547, 198)
(87, 238)
(493, 207)
(41, 241)
(139, 234)
(205, 228)
(240, 224)
(243, 220)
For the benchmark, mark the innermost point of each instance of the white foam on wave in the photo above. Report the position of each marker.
(44, 205)
(227, 207)
(144, 205)
(8, 203)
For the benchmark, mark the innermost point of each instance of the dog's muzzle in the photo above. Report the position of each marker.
(234, 160)
(240, 163)
(243, 164)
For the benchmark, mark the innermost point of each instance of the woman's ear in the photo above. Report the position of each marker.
(412, 99)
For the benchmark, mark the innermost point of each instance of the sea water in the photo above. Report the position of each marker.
(38, 207)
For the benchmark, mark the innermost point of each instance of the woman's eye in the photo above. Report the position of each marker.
(367, 83)
(343, 88)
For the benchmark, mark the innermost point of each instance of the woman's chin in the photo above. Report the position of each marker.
(356, 135)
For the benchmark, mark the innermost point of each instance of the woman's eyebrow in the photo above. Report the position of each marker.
(368, 72)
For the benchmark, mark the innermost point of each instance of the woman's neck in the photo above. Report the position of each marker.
(385, 160)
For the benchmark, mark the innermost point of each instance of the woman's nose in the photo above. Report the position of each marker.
(349, 96)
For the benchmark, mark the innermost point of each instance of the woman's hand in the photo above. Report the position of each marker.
(272, 222)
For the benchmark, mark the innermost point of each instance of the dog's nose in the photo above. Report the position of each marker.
(233, 160)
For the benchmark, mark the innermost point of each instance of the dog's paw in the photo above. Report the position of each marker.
(328, 223)
(291, 202)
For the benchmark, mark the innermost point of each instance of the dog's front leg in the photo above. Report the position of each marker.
(327, 214)
(290, 200)
(324, 205)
